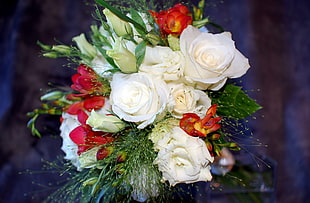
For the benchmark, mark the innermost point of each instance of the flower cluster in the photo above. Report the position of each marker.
(149, 74)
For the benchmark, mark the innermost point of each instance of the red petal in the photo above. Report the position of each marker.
(75, 107)
(75, 77)
(212, 110)
(85, 70)
(78, 135)
(82, 117)
(95, 102)
(102, 153)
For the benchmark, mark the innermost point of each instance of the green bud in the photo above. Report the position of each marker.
(125, 60)
(105, 123)
(120, 27)
(51, 55)
(84, 46)
(44, 47)
(52, 96)
(62, 49)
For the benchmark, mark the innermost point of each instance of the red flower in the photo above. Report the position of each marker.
(86, 81)
(174, 20)
(90, 103)
(194, 126)
(86, 138)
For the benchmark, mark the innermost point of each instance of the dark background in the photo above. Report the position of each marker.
(274, 35)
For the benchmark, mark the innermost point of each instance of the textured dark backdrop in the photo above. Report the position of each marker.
(274, 35)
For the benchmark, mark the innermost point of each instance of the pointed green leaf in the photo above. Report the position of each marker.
(140, 53)
(234, 103)
(136, 17)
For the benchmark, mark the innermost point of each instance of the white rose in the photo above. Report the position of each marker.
(211, 58)
(186, 99)
(185, 159)
(69, 123)
(138, 97)
(163, 62)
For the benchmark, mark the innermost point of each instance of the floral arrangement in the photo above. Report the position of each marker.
(152, 105)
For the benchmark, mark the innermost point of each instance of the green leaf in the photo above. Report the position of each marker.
(140, 53)
(122, 16)
(136, 17)
(233, 102)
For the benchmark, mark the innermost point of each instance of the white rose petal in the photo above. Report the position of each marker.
(210, 58)
(163, 62)
(186, 99)
(138, 97)
(69, 123)
(184, 159)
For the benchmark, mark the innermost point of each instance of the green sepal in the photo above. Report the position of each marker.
(140, 53)
(233, 102)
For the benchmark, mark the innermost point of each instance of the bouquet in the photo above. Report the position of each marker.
(152, 106)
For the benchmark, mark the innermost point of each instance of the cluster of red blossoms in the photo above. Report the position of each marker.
(174, 20)
(90, 97)
(193, 125)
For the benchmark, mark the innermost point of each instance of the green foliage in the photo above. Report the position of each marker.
(233, 102)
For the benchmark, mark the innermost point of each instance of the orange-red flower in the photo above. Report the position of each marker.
(174, 20)
(193, 125)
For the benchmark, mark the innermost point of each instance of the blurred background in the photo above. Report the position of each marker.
(274, 35)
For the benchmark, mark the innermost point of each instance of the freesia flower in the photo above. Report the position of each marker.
(85, 137)
(174, 20)
(89, 103)
(86, 81)
(194, 126)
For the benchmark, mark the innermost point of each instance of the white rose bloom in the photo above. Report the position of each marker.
(138, 97)
(185, 159)
(163, 62)
(210, 58)
(186, 99)
(68, 146)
